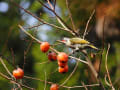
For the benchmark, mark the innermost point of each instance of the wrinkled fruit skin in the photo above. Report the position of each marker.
(52, 56)
(18, 73)
(63, 69)
(62, 57)
(44, 46)
(54, 87)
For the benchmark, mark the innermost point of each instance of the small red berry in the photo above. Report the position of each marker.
(54, 87)
(52, 56)
(62, 57)
(44, 46)
(63, 69)
(18, 73)
(60, 64)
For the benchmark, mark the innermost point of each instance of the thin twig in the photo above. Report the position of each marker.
(84, 85)
(28, 48)
(50, 5)
(106, 80)
(70, 74)
(24, 60)
(45, 81)
(15, 82)
(91, 67)
(108, 75)
(53, 71)
(26, 51)
(101, 57)
(116, 81)
(54, 4)
(13, 56)
(6, 41)
(70, 15)
(28, 77)
(60, 20)
(79, 60)
(43, 62)
(41, 20)
(28, 34)
(34, 26)
(34, 37)
(94, 72)
(7, 59)
(88, 23)
(92, 85)
(1, 60)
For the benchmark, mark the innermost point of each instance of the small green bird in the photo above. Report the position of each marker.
(78, 43)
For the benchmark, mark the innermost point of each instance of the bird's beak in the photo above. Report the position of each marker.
(63, 40)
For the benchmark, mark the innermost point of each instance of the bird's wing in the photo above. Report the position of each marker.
(79, 41)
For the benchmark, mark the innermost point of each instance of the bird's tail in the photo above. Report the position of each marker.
(93, 47)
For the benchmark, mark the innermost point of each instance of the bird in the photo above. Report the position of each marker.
(78, 43)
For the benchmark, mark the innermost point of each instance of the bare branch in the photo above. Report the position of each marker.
(54, 4)
(84, 85)
(106, 80)
(60, 20)
(34, 37)
(15, 82)
(116, 81)
(26, 51)
(70, 74)
(43, 62)
(1, 60)
(79, 60)
(50, 5)
(88, 23)
(13, 56)
(28, 77)
(70, 15)
(28, 34)
(94, 72)
(45, 81)
(102, 49)
(108, 75)
(42, 21)
(34, 26)
(92, 85)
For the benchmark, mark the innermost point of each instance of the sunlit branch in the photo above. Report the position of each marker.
(108, 75)
(86, 28)
(43, 21)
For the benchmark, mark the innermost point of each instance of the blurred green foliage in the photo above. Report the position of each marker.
(14, 40)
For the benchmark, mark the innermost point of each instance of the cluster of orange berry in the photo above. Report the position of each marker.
(62, 59)
(52, 56)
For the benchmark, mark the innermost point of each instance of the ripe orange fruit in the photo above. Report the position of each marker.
(62, 57)
(44, 46)
(54, 87)
(52, 56)
(63, 69)
(18, 73)
(60, 64)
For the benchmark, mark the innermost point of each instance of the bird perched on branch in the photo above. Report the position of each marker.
(78, 43)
